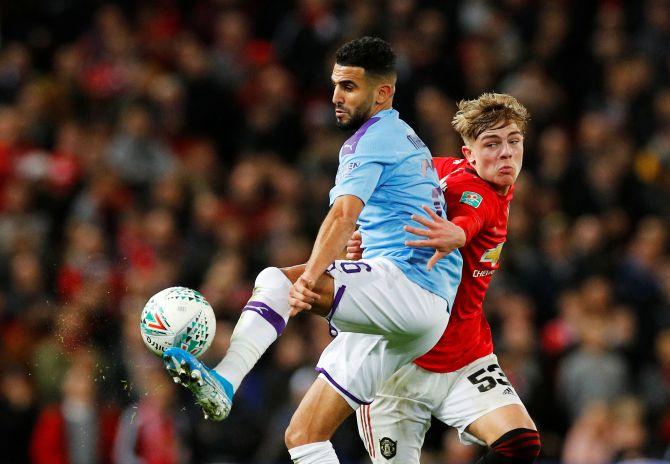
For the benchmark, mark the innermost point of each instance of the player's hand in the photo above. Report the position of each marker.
(301, 296)
(441, 234)
(355, 246)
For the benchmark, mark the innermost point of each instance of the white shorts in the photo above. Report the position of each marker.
(384, 321)
(393, 427)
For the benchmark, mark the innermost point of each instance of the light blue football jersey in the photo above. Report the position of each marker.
(390, 169)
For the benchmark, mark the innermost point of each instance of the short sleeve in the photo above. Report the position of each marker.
(359, 171)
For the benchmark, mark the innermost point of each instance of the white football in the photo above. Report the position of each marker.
(178, 316)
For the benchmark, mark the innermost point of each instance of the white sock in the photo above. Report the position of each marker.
(262, 321)
(321, 452)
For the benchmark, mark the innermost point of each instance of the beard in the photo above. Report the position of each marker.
(358, 117)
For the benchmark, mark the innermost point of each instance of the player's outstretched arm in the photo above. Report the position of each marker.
(441, 234)
(335, 231)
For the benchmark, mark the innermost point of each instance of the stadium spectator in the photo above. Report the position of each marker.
(80, 428)
(151, 431)
(18, 410)
(593, 372)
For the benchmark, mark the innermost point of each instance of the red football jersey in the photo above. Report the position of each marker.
(473, 204)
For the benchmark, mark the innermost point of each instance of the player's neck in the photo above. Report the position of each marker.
(378, 108)
(501, 189)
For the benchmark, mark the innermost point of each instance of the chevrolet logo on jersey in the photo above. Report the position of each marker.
(492, 255)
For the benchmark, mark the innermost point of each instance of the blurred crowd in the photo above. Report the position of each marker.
(151, 143)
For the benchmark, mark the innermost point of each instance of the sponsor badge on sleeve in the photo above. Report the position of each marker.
(471, 198)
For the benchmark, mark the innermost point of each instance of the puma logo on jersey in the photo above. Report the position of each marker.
(492, 255)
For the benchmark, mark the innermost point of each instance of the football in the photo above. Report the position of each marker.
(178, 316)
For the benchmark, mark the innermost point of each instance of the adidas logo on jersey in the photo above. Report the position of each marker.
(508, 391)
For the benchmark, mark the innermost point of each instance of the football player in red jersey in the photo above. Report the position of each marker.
(460, 381)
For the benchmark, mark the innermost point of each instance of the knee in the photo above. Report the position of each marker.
(295, 436)
(293, 272)
(272, 283)
(521, 445)
(298, 434)
(272, 277)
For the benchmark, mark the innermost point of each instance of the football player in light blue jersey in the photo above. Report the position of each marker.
(386, 309)
(388, 168)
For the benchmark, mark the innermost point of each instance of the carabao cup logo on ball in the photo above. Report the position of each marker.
(178, 316)
(153, 320)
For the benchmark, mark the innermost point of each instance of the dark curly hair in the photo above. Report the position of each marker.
(370, 53)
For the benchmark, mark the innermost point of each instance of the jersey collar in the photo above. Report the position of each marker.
(382, 113)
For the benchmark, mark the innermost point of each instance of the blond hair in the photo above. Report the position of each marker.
(476, 116)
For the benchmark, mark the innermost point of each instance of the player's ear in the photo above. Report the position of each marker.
(384, 92)
(467, 154)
